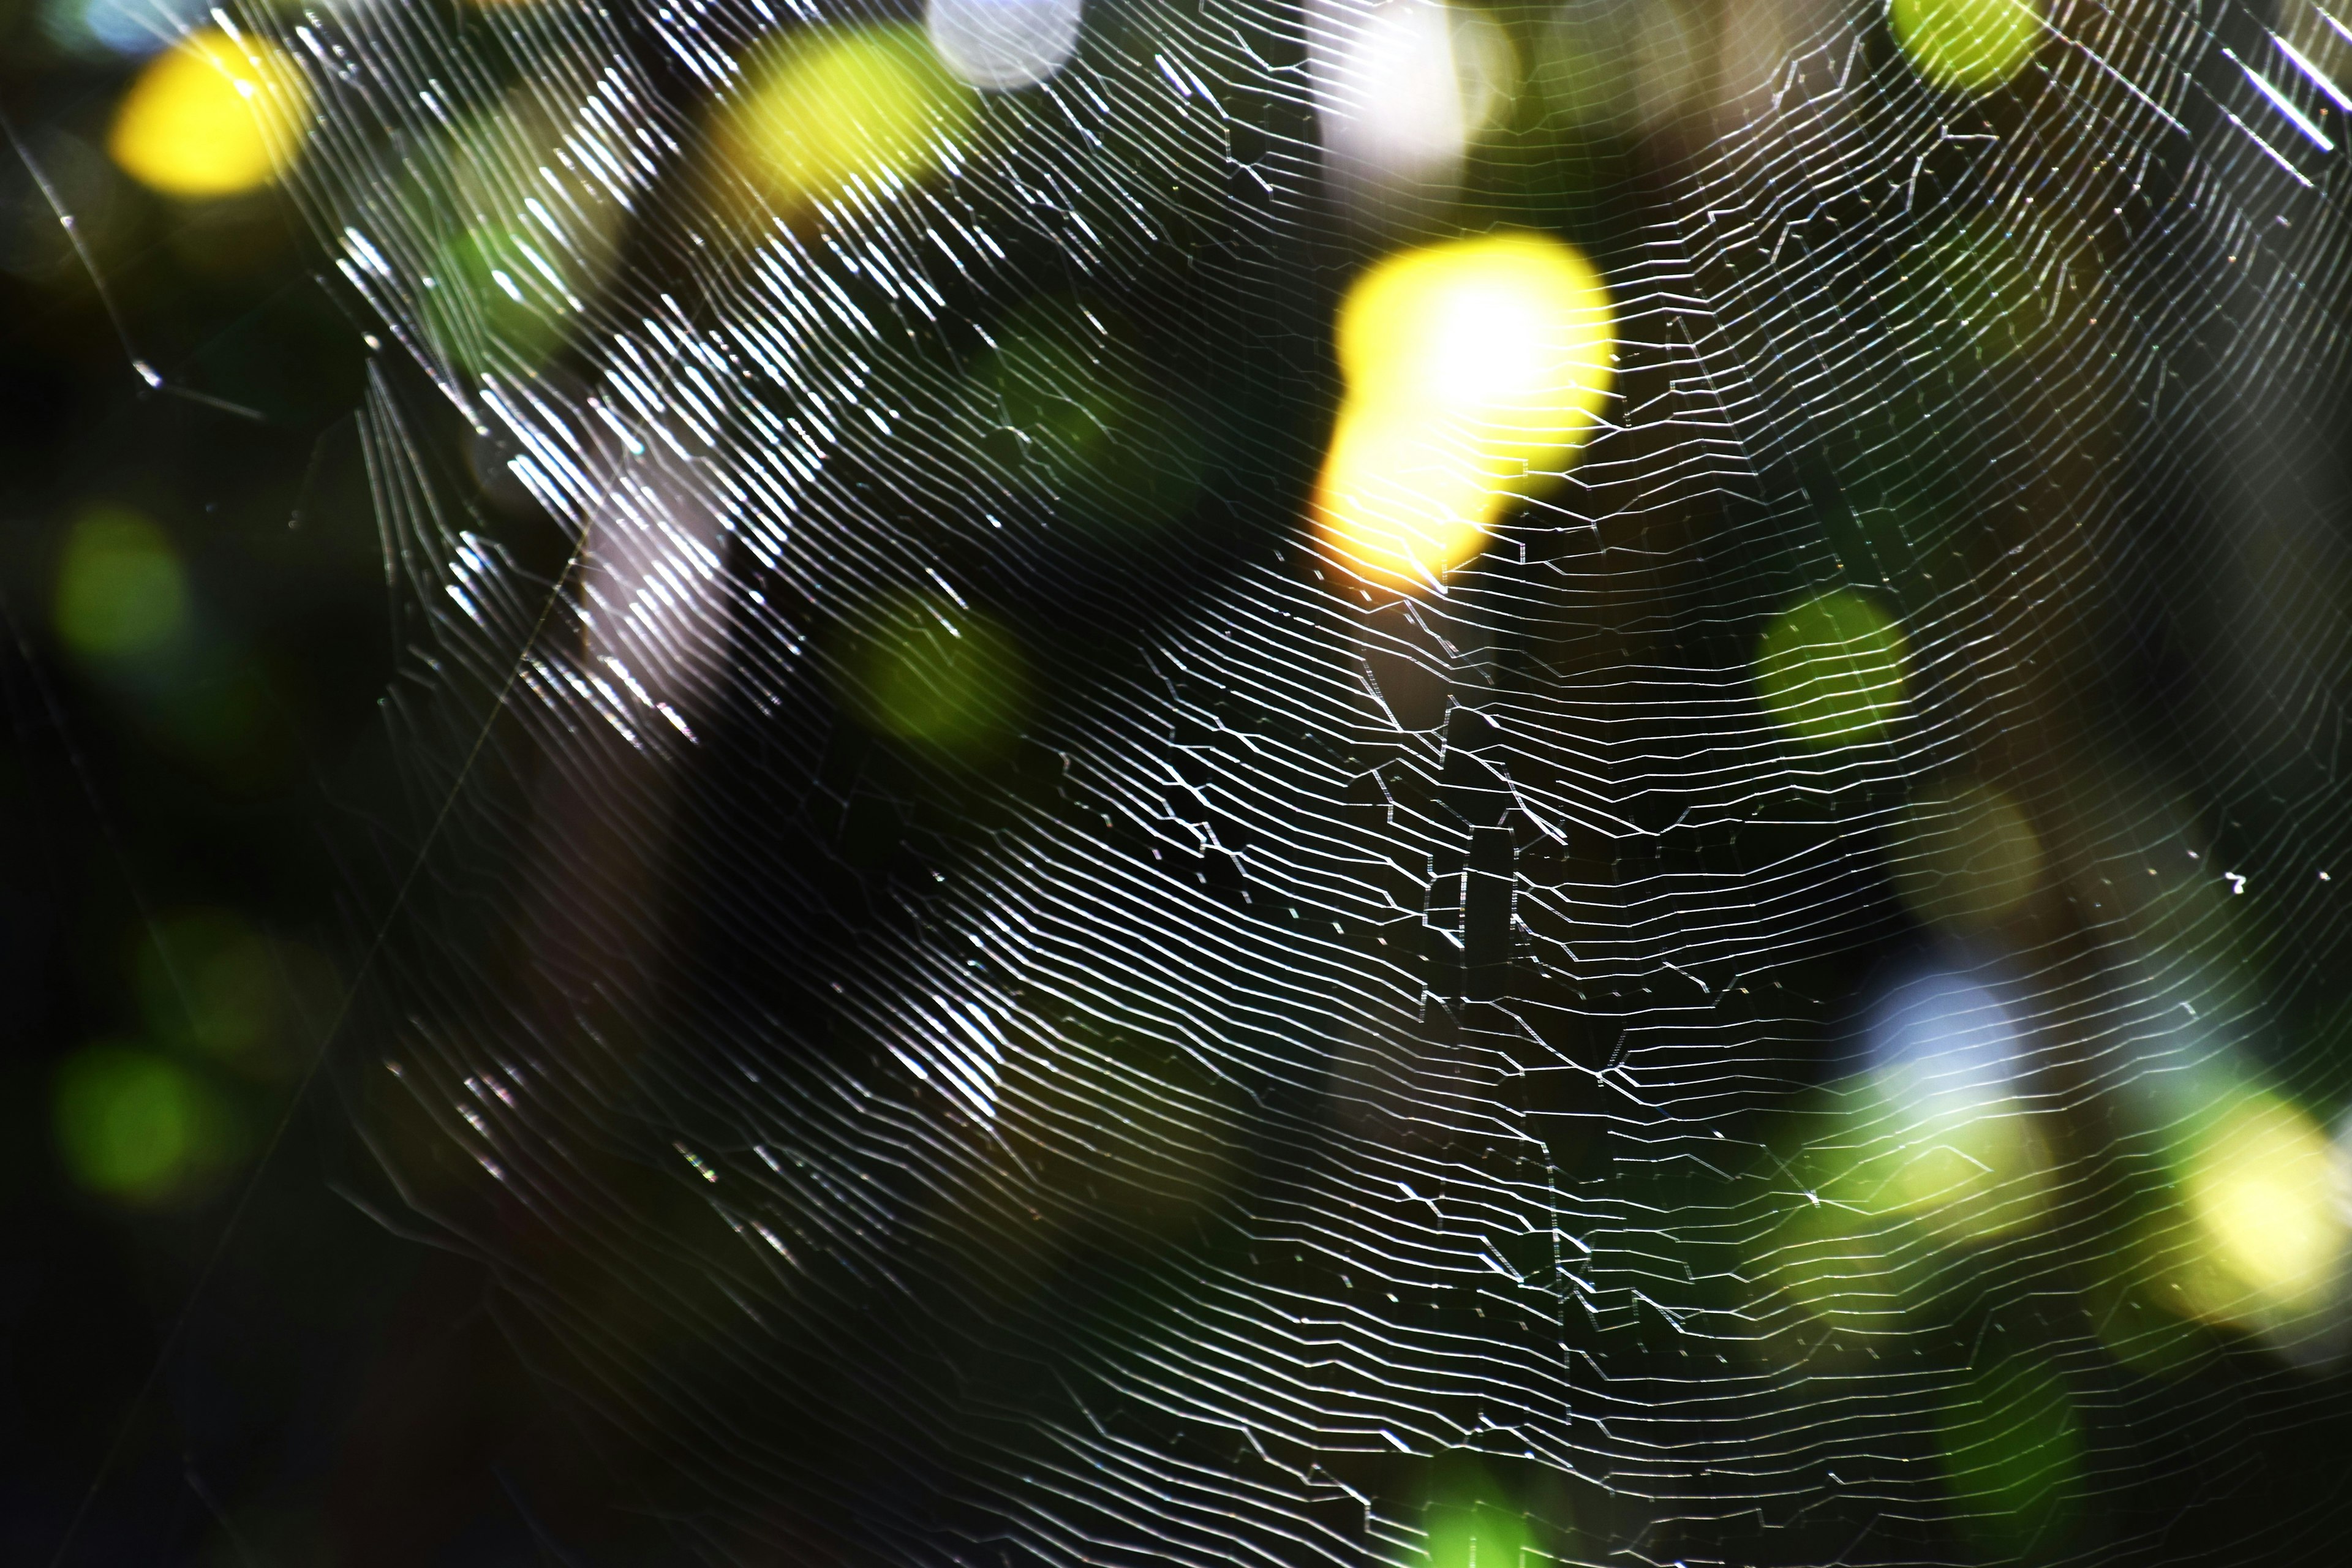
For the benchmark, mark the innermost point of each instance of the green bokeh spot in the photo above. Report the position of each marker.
(492, 303)
(944, 678)
(206, 975)
(2012, 1447)
(1830, 670)
(1075, 430)
(1971, 46)
(1997, 282)
(135, 1126)
(1468, 1521)
(1481, 1535)
(120, 589)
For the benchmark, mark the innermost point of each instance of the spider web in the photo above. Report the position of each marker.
(1338, 1065)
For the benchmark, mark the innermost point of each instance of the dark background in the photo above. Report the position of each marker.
(259, 1362)
(246, 1366)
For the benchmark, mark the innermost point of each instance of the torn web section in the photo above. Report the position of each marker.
(981, 947)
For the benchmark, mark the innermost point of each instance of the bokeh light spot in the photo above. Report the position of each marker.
(1404, 88)
(2012, 1450)
(1830, 670)
(119, 591)
(1967, 1174)
(1474, 368)
(1942, 1038)
(2260, 1186)
(214, 117)
(533, 227)
(1468, 1526)
(1965, 855)
(494, 298)
(1620, 69)
(1973, 46)
(1002, 45)
(831, 107)
(1927, 1152)
(1836, 1259)
(942, 678)
(135, 1126)
(129, 28)
(1994, 282)
(209, 978)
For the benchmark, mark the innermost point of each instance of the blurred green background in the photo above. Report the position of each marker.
(192, 645)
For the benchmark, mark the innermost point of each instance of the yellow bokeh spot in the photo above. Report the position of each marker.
(1891, 1183)
(1839, 1262)
(214, 117)
(1473, 368)
(828, 109)
(138, 1127)
(1973, 46)
(2258, 1186)
(1963, 1166)
(1972, 1174)
(1829, 669)
(120, 588)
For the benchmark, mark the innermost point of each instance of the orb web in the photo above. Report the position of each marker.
(995, 1002)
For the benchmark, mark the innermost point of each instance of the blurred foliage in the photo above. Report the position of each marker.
(193, 591)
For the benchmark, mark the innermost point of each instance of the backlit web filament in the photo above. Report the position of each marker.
(1369, 782)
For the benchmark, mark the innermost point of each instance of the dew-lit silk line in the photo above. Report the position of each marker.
(1591, 934)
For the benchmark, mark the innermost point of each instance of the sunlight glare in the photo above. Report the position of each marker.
(1474, 370)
